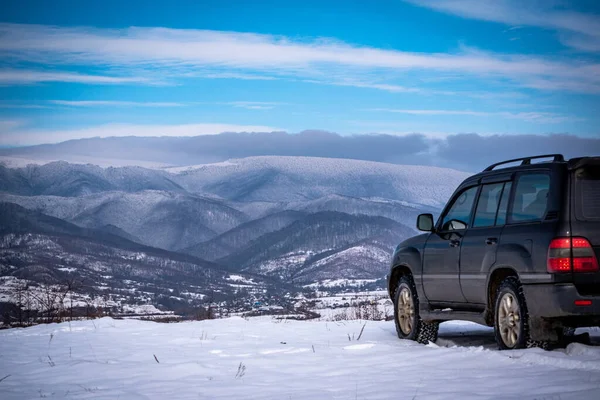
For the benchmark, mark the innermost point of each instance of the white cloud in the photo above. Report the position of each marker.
(539, 117)
(113, 103)
(231, 75)
(578, 30)
(254, 105)
(7, 125)
(21, 105)
(31, 137)
(370, 85)
(163, 52)
(27, 77)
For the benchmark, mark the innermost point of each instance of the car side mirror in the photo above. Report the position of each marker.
(425, 222)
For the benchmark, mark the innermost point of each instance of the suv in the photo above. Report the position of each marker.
(515, 248)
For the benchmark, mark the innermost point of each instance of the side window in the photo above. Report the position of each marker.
(459, 214)
(501, 219)
(531, 198)
(487, 206)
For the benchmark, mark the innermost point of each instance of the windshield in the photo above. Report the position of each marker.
(587, 193)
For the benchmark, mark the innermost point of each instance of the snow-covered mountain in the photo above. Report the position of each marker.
(50, 251)
(292, 251)
(263, 179)
(240, 236)
(70, 180)
(284, 219)
(309, 178)
(168, 220)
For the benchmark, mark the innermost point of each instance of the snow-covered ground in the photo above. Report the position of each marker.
(262, 358)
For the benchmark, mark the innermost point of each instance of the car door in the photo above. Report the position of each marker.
(441, 281)
(480, 241)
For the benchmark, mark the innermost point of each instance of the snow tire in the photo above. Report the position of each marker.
(511, 323)
(415, 329)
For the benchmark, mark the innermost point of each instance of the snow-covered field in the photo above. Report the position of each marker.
(262, 358)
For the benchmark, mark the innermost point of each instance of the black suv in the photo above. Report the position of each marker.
(516, 248)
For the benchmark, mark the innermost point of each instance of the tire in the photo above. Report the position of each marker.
(511, 319)
(409, 324)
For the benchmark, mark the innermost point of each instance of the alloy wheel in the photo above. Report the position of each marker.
(406, 310)
(509, 320)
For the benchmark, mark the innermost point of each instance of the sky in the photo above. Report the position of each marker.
(73, 70)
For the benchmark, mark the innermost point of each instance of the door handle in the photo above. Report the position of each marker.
(491, 241)
(454, 243)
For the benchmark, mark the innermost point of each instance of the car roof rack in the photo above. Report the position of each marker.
(527, 160)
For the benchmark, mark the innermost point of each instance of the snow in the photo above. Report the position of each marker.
(141, 309)
(67, 269)
(20, 162)
(376, 254)
(284, 263)
(240, 279)
(187, 168)
(305, 178)
(263, 358)
(333, 283)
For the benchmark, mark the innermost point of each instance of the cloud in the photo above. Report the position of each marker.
(231, 75)
(27, 77)
(9, 125)
(254, 105)
(163, 52)
(379, 86)
(473, 151)
(112, 103)
(21, 105)
(578, 30)
(540, 117)
(470, 152)
(24, 137)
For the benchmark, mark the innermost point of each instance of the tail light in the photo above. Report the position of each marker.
(571, 254)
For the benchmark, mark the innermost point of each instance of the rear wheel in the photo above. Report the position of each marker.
(511, 317)
(409, 324)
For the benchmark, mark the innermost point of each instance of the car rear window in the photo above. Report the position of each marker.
(587, 190)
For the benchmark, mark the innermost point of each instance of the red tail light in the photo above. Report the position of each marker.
(571, 254)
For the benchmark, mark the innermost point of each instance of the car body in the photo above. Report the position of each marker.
(531, 230)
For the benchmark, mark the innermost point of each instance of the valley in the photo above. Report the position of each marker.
(173, 238)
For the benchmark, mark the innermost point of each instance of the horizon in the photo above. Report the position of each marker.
(452, 151)
(396, 68)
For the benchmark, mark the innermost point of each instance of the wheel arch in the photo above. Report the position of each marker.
(406, 260)
(495, 278)
(397, 272)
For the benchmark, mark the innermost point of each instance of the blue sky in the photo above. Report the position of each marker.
(148, 68)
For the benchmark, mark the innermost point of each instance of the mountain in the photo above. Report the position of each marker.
(397, 210)
(240, 236)
(71, 180)
(292, 250)
(294, 179)
(168, 220)
(47, 250)
(18, 220)
(364, 259)
(272, 220)
(254, 179)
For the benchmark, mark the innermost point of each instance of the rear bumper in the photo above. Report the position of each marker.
(558, 300)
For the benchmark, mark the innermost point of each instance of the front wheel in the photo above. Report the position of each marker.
(409, 324)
